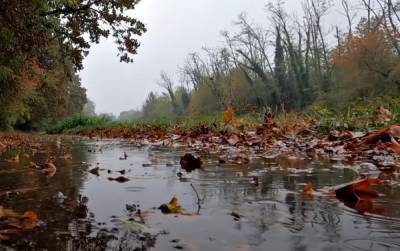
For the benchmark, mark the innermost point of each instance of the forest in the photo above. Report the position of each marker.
(42, 45)
(286, 136)
(296, 62)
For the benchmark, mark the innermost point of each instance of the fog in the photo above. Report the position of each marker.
(175, 29)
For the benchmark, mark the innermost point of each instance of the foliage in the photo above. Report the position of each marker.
(42, 45)
(299, 70)
(80, 122)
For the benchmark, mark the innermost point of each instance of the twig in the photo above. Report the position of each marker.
(199, 201)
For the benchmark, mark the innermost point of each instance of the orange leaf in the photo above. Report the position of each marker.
(308, 189)
(30, 219)
(395, 146)
(228, 115)
(358, 190)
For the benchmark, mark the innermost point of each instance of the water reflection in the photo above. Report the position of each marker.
(81, 211)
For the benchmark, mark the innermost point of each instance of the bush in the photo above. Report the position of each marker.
(80, 122)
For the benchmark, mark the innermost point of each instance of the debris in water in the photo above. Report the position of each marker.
(172, 207)
(190, 163)
(120, 179)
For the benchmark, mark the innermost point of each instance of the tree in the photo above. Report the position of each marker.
(42, 45)
(89, 108)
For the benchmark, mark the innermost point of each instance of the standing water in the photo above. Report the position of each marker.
(256, 206)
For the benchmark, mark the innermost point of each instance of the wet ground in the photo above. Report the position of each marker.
(79, 210)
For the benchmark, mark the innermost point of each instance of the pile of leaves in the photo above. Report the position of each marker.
(270, 139)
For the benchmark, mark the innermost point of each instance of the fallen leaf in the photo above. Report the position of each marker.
(189, 162)
(308, 189)
(95, 171)
(172, 207)
(382, 115)
(49, 169)
(228, 115)
(395, 146)
(120, 179)
(30, 220)
(235, 214)
(33, 165)
(358, 190)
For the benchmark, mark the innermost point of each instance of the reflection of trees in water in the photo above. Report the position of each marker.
(278, 200)
(43, 198)
(85, 234)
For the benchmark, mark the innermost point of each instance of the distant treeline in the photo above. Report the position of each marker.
(42, 45)
(290, 64)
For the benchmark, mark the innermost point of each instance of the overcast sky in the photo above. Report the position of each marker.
(175, 29)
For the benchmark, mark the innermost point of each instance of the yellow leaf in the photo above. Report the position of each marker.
(174, 206)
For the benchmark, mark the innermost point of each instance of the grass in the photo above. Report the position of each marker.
(357, 117)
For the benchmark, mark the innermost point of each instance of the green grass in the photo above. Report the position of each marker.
(357, 117)
(78, 123)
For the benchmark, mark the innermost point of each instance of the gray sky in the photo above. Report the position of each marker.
(175, 29)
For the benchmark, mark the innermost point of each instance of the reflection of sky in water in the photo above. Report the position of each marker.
(275, 215)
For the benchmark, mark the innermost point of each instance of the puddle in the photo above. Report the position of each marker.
(81, 211)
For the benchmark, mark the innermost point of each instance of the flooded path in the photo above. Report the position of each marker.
(79, 210)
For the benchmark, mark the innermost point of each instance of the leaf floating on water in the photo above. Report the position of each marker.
(33, 165)
(173, 207)
(358, 190)
(308, 189)
(30, 220)
(49, 169)
(235, 214)
(190, 163)
(95, 171)
(120, 179)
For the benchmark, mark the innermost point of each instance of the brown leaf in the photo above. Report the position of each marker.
(235, 214)
(33, 165)
(382, 115)
(95, 171)
(49, 169)
(395, 146)
(190, 163)
(120, 179)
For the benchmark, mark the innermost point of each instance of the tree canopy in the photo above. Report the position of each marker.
(42, 46)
